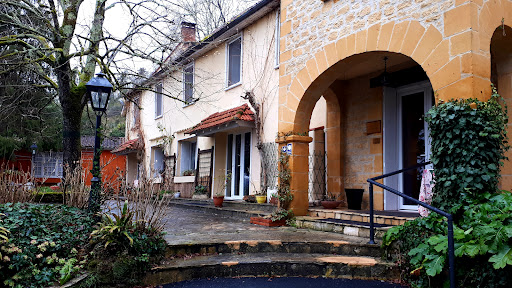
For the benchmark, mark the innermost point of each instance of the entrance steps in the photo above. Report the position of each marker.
(273, 258)
(352, 222)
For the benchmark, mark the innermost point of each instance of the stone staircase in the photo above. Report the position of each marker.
(352, 222)
(347, 222)
(273, 258)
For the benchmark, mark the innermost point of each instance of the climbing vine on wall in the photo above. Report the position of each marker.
(284, 194)
(469, 141)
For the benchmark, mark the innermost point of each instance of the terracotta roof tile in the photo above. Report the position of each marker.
(243, 113)
(127, 146)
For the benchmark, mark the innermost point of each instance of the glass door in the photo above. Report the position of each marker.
(238, 163)
(413, 139)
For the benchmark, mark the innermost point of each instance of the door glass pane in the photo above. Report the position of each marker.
(247, 162)
(413, 143)
(238, 151)
(229, 165)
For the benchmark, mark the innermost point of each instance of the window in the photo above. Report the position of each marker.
(277, 36)
(234, 62)
(158, 100)
(48, 165)
(136, 113)
(188, 84)
(158, 161)
(188, 156)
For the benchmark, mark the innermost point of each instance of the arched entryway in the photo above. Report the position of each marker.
(501, 77)
(373, 125)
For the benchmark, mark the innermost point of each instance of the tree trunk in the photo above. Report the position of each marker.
(72, 108)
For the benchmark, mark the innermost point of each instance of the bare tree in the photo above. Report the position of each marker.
(62, 43)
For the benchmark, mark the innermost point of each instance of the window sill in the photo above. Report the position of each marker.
(233, 86)
(185, 105)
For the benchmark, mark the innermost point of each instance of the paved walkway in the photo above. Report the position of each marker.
(187, 226)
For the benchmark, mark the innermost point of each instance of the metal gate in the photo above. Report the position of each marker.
(317, 176)
(204, 169)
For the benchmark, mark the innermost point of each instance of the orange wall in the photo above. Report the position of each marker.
(112, 165)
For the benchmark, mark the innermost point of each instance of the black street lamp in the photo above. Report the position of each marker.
(33, 147)
(98, 90)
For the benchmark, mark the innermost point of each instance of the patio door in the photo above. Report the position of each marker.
(406, 140)
(238, 163)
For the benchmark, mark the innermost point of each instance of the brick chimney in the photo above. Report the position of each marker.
(188, 32)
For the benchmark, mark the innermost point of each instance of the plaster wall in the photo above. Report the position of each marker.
(259, 76)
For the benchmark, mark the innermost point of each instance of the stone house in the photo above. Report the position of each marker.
(358, 75)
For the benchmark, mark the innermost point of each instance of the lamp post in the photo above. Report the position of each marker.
(33, 147)
(98, 90)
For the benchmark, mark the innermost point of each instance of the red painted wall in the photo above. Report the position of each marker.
(115, 165)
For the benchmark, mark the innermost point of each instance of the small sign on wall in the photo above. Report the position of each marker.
(289, 149)
(283, 149)
(373, 127)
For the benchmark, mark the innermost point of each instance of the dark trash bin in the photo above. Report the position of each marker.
(354, 198)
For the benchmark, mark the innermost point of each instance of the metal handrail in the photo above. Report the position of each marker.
(451, 248)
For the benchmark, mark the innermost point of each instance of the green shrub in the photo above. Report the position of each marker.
(469, 141)
(200, 190)
(122, 251)
(468, 145)
(49, 197)
(43, 239)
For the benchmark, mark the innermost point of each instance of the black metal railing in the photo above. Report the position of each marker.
(451, 248)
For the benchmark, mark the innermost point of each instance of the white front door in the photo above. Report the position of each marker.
(406, 140)
(238, 159)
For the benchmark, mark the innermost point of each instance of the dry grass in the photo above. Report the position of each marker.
(15, 186)
(149, 208)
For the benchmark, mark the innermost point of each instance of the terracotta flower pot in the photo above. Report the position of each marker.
(218, 200)
(330, 204)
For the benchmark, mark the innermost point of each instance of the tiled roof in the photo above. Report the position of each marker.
(126, 147)
(109, 143)
(242, 113)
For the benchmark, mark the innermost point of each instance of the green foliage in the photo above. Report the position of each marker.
(200, 190)
(121, 252)
(284, 195)
(189, 172)
(468, 144)
(115, 231)
(49, 197)
(43, 239)
(483, 241)
(469, 140)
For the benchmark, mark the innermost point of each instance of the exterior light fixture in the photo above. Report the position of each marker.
(99, 90)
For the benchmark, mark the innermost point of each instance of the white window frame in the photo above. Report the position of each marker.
(240, 36)
(43, 168)
(135, 110)
(185, 85)
(181, 155)
(278, 39)
(157, 95)
(154, 162)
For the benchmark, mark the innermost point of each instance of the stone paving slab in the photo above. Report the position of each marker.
(189, 226)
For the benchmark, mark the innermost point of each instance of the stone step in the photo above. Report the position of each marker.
(351, 228)
(272, 264)
(228, 211)
(380, 217)
(276, 246)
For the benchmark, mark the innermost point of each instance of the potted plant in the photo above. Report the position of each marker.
(261, 197)
(330, 201)
(200, 192)
(273, 199)
(354, 198)
(223, 181)
(189, 172)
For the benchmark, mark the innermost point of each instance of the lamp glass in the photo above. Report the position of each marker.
(99, 100)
